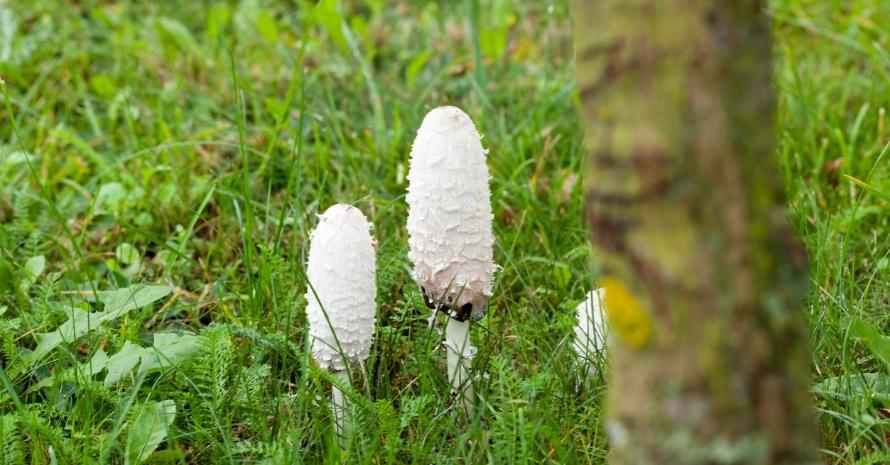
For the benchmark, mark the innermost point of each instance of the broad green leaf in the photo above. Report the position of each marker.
(126, 253)
(121, 301)
(169, 349)
(79, 323)
(110, 196)
(167, 192)
(123, 362)
(98, 362)
(34, 267)
(872, 338)
(856, 386)
(148, 430)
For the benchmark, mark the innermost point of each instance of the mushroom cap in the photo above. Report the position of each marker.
(590, 332)
(341, 269)
(449, 212)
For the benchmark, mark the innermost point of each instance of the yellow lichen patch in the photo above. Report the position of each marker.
(627, 317)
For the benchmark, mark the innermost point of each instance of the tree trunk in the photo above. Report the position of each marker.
(703, 278)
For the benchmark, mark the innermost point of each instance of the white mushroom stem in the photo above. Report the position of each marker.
(460, 360)
(338, 403)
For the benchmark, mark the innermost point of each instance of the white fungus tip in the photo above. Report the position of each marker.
(341, 270)
(590, 332)
(447, 118)
(449, 211)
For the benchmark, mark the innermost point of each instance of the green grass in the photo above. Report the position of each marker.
(190, 145)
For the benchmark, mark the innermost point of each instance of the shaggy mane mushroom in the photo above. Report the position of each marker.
(449, 224)
(341, 295)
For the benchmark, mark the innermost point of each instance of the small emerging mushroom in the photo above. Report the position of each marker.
(449, 223)
(341, 295)
(590, 332)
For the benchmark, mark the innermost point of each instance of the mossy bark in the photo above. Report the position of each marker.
(704, 280)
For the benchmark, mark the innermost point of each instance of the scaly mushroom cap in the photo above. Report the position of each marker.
(590, 332)
(341, 269)
(449, 212)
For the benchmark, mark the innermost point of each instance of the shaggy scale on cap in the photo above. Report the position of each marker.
(449, 212)
(341, 268)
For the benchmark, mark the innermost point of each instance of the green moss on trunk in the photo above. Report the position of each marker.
(687, 212)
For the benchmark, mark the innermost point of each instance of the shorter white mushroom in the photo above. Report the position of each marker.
(590, 332)
(341, 295)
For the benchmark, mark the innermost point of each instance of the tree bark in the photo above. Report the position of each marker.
(703, 278)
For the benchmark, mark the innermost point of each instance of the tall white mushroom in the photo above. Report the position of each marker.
(590, 331)
(449, 223)
(341, 295)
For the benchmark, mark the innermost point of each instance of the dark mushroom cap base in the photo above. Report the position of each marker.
(467, 311)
